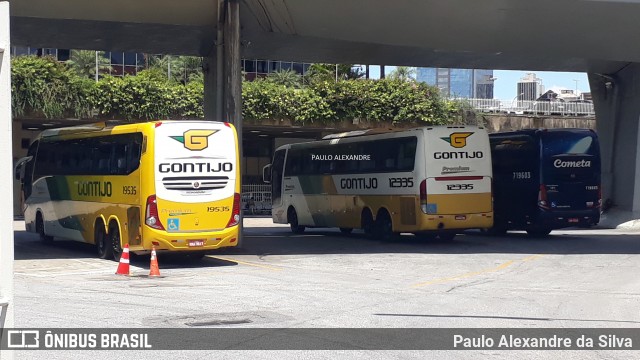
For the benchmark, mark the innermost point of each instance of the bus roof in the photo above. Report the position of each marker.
(378, 131)
(537, 131)
(107, 125)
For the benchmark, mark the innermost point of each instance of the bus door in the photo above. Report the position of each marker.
(277, 169)
(458, 163)
(570, 171)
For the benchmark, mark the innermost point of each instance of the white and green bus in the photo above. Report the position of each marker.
(428, 181)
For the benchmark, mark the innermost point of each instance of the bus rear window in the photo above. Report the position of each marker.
(570, 156)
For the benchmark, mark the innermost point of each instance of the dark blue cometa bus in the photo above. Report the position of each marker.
(545, 179)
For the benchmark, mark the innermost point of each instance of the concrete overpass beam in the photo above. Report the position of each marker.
(617, 103)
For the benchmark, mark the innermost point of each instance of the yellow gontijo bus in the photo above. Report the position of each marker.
(428, 181)
(174, 185)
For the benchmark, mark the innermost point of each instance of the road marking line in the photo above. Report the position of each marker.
(246, 263)
(480, 272)
(68, 273)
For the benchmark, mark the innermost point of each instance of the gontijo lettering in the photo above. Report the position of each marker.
(94, 188)
(458, 155)
(195, 167)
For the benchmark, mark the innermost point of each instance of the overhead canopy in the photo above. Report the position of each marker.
(570, 35)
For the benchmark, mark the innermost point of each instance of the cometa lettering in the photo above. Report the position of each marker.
(195, 167)
(458, 155)
(95, 188)
(572, 164)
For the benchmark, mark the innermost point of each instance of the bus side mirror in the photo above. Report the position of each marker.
(266, 174)
(20, 167)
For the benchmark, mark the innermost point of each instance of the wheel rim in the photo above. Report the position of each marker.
(386, 229)
(101, 242)
(40, 227)
(367, 224)
(115, 243)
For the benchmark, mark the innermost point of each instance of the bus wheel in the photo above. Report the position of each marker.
(114, 240)
(384, 227)
(425, 236)
(346, 230)
(446, 236)
(495, 231)
(102, 242)
(367, 222)
(40, 229)
(293, 222)
(539, 232)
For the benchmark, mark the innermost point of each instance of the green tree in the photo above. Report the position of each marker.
(288, 78)
(332, 72)
(84, 62)
(188, 68)
(403, 73)
(164, 64)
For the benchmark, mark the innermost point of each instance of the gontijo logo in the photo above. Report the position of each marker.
(457, 139)
(195, 140)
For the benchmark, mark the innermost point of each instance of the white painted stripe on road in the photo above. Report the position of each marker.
(69, 273)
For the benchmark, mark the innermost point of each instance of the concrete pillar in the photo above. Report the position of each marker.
(233, 78)
(617, 104)
(213, 66)
(211, 89)
(233, 72)
(6, 182)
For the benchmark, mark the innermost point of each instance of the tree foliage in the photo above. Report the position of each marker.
(44, 87)
(41, 86)
(403, 73)
(83, 62)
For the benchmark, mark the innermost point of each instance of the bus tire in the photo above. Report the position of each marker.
(292, 218)
(346, 231)
(495, 231)
(425, 236)
(539, 232)
(367, 222)
(448, 236)
(384, 226)
(44, 238)
(102, 241)
(115, 240)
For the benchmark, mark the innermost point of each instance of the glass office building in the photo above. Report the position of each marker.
(459, 83)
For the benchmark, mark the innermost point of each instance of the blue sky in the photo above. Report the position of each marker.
(505, 85)
(506, 80)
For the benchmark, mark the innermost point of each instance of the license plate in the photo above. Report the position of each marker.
(461, 217)
(573, 220)
(196, 243)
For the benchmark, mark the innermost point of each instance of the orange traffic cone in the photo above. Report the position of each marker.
(123, 266)
(154, 270)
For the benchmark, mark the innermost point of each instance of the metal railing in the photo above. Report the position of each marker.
(527, 107)
(256, 199)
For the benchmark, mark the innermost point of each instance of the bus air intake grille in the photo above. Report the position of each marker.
(195, 182)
